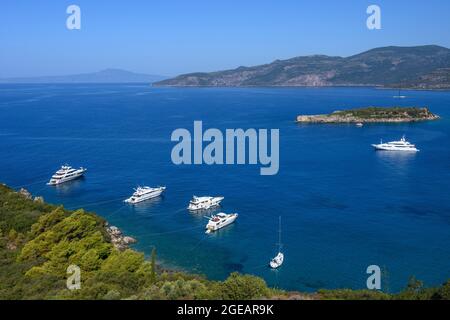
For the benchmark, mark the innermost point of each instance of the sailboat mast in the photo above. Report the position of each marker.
(279, 233)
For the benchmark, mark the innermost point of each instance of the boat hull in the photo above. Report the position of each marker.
(388, 148)
(214, 227)
(148, 196)
(277, 261)
(205, 206)
(55, 182)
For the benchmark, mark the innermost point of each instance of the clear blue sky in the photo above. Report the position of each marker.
(169, 37)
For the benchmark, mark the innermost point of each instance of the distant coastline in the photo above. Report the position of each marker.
(106, 76)
(377, 87)
(419, 67)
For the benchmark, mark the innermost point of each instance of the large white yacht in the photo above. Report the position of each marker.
(144, 193)
(276, 262)
(66, 173)
(219, 221)
(401, 145)
(204, 203)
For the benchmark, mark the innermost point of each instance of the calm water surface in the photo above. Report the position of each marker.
(344, 206)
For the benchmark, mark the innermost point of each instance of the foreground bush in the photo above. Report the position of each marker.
(39, 241)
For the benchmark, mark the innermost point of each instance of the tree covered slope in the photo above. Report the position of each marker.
(39, 241)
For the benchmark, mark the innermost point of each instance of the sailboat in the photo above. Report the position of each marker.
(278, 260)
(399, 96)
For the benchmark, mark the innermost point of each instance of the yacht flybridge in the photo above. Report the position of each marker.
(401, 145)
(278, 260)
(66, 173)
(144, 193)
(204, 203)
(219, 221)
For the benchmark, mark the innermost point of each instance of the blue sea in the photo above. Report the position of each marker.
(343, 205)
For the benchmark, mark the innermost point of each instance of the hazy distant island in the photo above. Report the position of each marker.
(371, 115)
(421, 67)
(103, 76)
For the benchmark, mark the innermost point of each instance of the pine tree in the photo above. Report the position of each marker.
(153, 266)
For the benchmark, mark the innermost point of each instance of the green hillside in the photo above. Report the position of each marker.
(39, 241)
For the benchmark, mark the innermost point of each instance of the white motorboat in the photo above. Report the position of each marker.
(65, 174)
(144, 193)
(276, 262)
(219, 221)
(203, 203)
(360, 124)
(401, 145)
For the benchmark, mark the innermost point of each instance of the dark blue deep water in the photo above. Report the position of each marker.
(344, 206)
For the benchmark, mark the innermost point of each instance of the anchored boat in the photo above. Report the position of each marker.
(219, 221)
(144, 193)
(401, 145)
(278, 260)
(203, 203)
(65, 174)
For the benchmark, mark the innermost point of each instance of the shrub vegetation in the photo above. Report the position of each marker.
(39, 241)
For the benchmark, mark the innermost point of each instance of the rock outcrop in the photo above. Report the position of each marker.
(25, 193)
(39, 199)
(119, 241)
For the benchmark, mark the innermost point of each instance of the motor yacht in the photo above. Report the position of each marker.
(401, 145)
(144, 193)
(203, 203)
(219, 221)
(65, 174)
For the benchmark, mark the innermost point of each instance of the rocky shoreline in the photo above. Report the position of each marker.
(118, 239)
(371, 115)
(25, 193)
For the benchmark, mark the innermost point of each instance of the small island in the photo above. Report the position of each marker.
(372, 115)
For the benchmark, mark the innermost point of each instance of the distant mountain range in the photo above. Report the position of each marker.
(104, 76)
(422, 67)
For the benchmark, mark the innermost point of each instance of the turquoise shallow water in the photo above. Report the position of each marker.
(344, 206)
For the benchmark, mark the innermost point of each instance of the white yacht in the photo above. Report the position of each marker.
(276, 262)
(144, 193)
(219, 221)
(66, 173)
(203, 203)
(401, 145)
